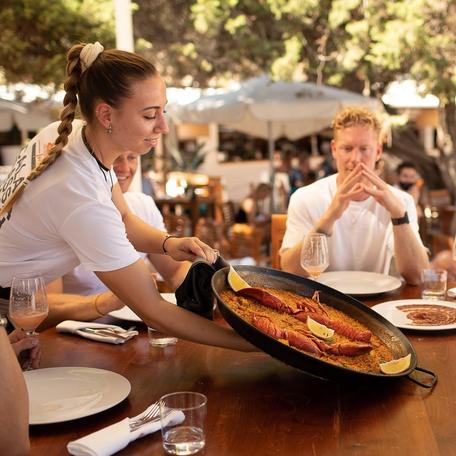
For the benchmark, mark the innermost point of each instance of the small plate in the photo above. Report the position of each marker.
(399, 318)
(60, 394)
(125, 313)
(360, 283)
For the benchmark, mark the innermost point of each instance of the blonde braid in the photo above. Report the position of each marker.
(64, 129)
(66, 116)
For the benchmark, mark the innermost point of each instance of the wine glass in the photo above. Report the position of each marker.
(28, 305)
(314, 254)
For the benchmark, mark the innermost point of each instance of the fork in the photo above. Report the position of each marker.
(150, 415)
(107, 331)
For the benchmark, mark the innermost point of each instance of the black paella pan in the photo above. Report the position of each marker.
(378, 325)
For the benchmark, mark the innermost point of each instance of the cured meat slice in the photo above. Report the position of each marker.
(429, 314)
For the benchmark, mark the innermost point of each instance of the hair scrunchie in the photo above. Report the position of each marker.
(89, 53)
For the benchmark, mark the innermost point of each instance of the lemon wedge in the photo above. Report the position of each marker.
(396, 365)
(235, 281)
(319, 330)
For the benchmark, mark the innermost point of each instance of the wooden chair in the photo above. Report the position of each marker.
(245, 241)
(278, 228)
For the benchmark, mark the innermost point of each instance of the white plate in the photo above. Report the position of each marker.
(360, 283)
(127, 314)
(61, 394)
(399, 318)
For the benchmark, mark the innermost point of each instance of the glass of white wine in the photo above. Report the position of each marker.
(314, 254)
(28, 305)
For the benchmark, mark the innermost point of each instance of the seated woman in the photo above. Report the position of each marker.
(86, 297)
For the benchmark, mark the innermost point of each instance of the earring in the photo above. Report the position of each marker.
(109, 129)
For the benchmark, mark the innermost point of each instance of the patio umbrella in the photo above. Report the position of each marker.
(271, 109)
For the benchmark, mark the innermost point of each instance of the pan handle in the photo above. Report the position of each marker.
(431, 378)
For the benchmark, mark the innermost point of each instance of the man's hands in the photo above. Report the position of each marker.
(190, 248)
(21, 343)
(358, 185)
(351, 189)
(378, 188)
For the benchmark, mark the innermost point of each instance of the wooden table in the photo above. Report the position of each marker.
(259, 406)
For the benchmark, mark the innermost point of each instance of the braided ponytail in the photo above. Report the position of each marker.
(93, 75)
(67, 115)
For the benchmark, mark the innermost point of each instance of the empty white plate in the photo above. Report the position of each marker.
(59, 394)
(360, 283)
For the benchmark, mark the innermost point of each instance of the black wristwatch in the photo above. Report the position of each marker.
(401, 220)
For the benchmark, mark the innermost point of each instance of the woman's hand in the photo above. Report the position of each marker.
(190, 248)
(20, 343)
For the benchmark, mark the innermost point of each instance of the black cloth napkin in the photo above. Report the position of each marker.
(195, 292)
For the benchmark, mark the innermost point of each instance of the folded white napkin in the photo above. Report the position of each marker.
(76, 327)
(114, 438)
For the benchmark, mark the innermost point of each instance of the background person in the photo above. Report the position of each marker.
(255, 207)
(367, 221)
(69, 210)
(409, 180)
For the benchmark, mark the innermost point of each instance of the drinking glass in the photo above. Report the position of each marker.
(314, 254)
(158, 339)
(187, 437)
(28, 305)
(434, 283)
(452, 291)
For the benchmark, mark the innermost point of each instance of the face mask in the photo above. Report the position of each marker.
(406, 185)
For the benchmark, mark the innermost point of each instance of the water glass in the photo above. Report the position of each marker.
(158, 339)
(434, 283)
(188, 437)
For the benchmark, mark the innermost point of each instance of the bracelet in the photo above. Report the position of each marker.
(164, 242)
(97, 310)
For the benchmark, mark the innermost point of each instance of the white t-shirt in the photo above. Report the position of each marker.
(362, 238)
(64, 217)
(82, 281)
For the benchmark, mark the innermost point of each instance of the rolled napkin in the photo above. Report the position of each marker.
(114, 438)
(96, 331)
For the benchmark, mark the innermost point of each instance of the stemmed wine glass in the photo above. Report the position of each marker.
(314, 254)
(28, 305)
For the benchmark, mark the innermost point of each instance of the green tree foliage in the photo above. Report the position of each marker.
(35, 35)
(361, 45)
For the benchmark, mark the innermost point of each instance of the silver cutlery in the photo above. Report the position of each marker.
(150, 415)
(107, 331)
